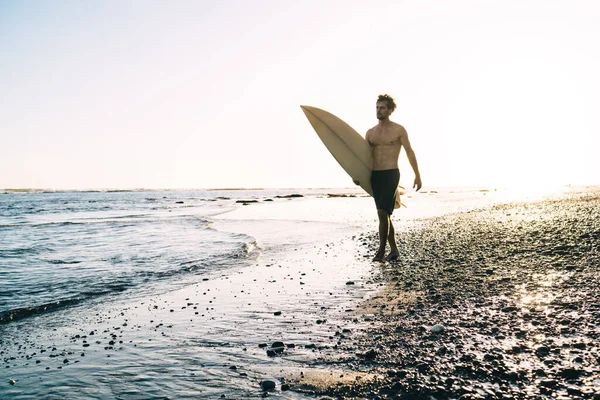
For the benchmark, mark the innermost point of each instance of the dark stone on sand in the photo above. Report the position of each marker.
(511, 376)
(350, 283)
(262, 345)
(247, 201)
(371, 354)
(574, 391)
(267, 385)
(285, 387)
(65, 361)
(278, 347)
(271, 353)
(289, 196)
(571, 373)
(277, 313)
(179, 202)
(542, 351)
(509, 309)
(423, 367)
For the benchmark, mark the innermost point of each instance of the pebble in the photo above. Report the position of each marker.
(438, 328)
(267, 386)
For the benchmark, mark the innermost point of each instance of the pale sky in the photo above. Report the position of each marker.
(198, 94)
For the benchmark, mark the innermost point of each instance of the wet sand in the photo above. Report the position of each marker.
(490, 304)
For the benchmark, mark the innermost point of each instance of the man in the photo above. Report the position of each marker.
(386, 140)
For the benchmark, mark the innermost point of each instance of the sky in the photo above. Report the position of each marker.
(207, 94)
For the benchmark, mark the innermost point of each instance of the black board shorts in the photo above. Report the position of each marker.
(384, 184)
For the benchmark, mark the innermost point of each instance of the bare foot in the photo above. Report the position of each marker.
(379, 256)
(393, 256)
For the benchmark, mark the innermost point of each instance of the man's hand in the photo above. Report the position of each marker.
(417, 183)
(356, 182)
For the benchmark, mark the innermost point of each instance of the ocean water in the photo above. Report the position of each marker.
(168, 294)
(62, 248)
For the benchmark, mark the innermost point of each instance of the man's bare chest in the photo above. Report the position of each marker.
(383, 137)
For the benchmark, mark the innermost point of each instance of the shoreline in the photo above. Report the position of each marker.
(206, 338)
(370, 337)
(499, 302)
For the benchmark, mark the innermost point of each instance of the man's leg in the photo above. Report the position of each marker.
(384, 227)
(392, 241)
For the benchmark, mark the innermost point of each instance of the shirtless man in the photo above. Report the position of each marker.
(387, 139)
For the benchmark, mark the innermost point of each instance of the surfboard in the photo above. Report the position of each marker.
(347, 146)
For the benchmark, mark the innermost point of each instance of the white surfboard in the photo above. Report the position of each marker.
(346, 145)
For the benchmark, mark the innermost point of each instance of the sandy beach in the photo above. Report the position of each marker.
(498, 303)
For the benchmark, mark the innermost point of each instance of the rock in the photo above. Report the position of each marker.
(423, 367)
(278, 347)
(267, 386)
(371, 354)
(12, 381)
(542, 351)
(511, 376)
(277, 313)
(571, 373)
(509, 309)
(438, 328)
(574, 391)
(285, 387)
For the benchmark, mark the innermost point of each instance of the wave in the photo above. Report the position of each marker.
(20, 313)
(130, 281)
(133, 218)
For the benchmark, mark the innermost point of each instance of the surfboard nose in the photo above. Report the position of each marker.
(308, 110)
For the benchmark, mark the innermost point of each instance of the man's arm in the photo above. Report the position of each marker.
(368, 137)
(412, 159)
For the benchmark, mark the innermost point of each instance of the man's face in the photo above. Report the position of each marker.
(382, 109)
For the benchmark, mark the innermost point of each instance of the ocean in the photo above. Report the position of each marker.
(175, 293)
